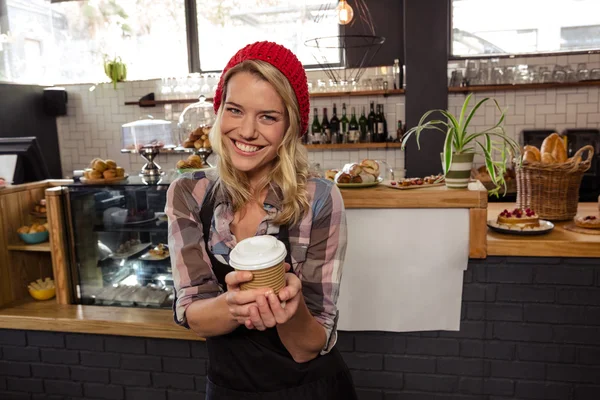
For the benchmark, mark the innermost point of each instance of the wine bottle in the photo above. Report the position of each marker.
(372, 133)
(344, 125)
(399, 131)
(325, 128)
(315, 130)
(378, 125)
(383, 132)
(353, 129)
(363, 126)
(334, 126)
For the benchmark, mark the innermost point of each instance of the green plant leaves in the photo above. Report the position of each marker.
(457, 140)
(115, 69)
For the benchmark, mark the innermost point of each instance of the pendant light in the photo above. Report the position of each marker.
(344, 12)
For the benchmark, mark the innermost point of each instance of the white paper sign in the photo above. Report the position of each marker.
(8, 163)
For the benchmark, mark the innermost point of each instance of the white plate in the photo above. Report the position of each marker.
(150, 257)
(360, 185)
(120, 217)
(131, 252)
(545, 227)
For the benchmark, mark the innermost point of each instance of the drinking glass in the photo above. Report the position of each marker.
(582, 71)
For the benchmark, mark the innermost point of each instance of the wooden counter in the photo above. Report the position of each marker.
(382, 196)
(124, 321)
(558, 243)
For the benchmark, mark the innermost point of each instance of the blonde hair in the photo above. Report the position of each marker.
(290, 168)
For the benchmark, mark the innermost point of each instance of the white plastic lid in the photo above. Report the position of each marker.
(257, 252)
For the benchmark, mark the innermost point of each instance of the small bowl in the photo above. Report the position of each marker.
(44, 294)
(34, 238)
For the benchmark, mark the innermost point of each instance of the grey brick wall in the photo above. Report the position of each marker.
(530, 330)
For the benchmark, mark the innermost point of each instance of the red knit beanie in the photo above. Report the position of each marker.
(282, 59)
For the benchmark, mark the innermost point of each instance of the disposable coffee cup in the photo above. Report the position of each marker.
(264, 256)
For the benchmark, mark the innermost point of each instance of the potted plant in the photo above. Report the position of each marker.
(461, 145)
(115, 69)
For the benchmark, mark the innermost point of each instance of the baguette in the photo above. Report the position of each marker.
(555, 146)
(530, 156)
(548, 158)
(533, 152)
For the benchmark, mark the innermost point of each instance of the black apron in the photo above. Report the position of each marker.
(252, 364)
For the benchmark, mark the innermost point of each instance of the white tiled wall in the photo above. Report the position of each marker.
(558, 109)
(93, 125)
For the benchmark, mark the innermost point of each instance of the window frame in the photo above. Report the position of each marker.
(452, 57)
(193, 42)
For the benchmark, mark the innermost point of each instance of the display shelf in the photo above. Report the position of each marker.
(524, 86)
(384, 93)
(40, 247)
(354, 146)
(361, 93)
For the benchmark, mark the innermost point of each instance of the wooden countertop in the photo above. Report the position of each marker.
(124, 321)
(558, 243)
(33, 185)
(381, 196)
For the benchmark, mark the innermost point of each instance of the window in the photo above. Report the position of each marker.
(226, 26)
(483, 27)
(66, 42)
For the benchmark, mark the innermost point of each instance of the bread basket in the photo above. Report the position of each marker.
(552, 190)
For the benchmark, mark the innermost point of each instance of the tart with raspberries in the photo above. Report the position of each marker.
(519, 218)
(589, 222)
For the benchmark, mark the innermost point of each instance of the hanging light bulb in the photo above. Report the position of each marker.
(344, 12)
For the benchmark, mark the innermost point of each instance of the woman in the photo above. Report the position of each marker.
(258, 349)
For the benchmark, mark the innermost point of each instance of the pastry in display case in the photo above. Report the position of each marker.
(120, 236)
(195, 123)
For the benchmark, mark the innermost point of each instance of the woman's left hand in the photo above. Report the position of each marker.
(269, 311)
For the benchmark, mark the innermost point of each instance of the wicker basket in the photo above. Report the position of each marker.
(552, 190)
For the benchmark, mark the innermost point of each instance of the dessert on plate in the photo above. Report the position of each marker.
(365, 172)
(588, 221)
(519, 218)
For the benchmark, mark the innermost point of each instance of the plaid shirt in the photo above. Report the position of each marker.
(317, 242)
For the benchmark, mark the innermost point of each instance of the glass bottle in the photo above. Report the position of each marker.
(383, 132)
(344, 124)
(325, 128)
(378, 132)
(334, 126)
(363, 126)
(399, 131)
(353, 128)
(396, 74)
(315, 129)
(372, 133)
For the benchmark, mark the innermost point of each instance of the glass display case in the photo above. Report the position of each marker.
(119, 243)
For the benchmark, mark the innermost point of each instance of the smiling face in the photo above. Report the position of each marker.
(253, 124)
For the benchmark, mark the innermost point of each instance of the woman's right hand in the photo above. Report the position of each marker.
(240, 301)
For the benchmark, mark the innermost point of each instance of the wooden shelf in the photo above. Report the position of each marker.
(41, 247)
(384, 93)
(355, 146)
(525, 86)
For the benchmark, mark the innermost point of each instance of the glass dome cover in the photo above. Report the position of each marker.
(147, 132)
(195, 123)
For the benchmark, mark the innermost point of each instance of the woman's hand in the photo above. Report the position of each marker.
(240, 301)
(269, 311)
